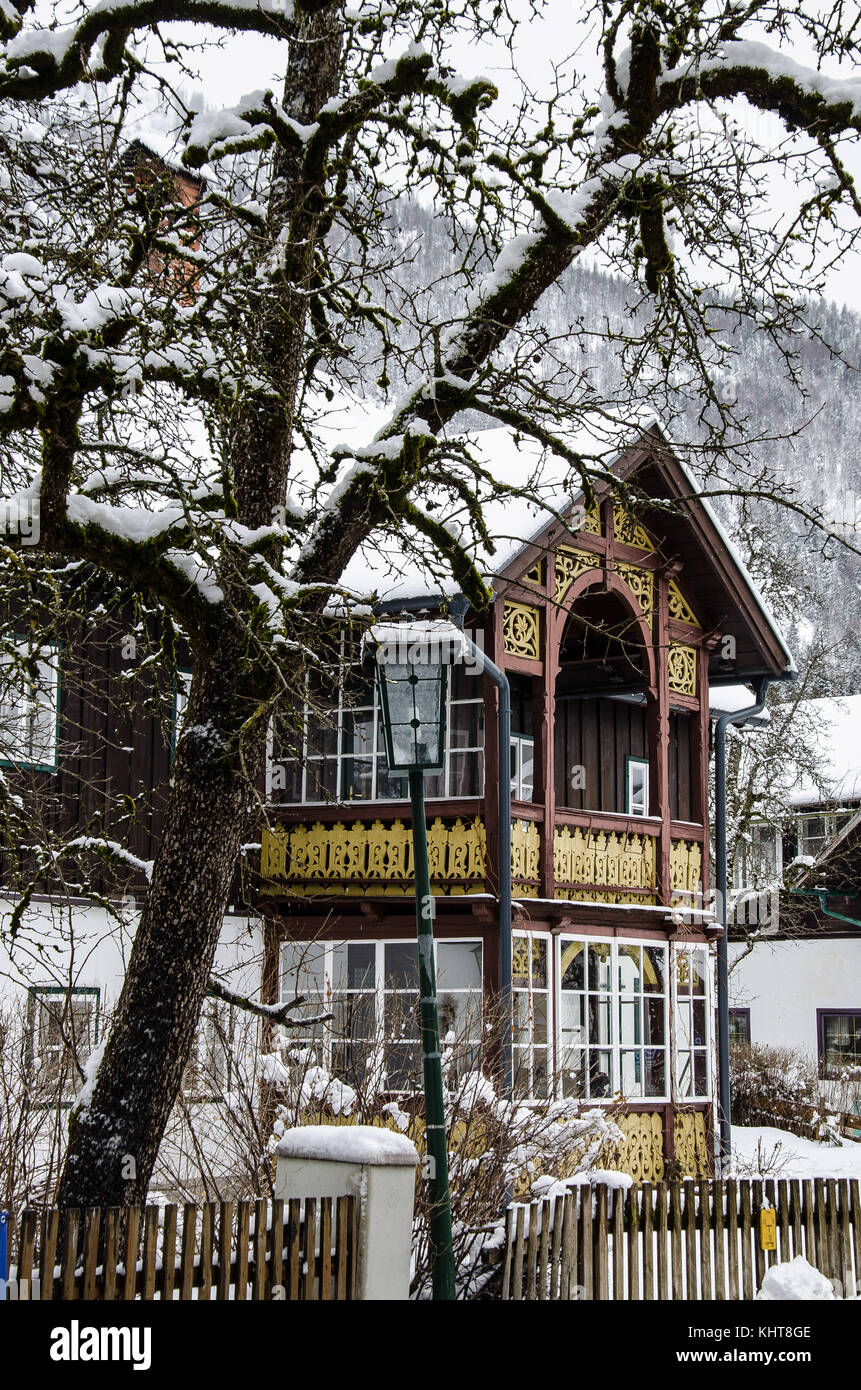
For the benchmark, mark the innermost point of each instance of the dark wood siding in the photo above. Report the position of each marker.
(597, 735)
(681, 766)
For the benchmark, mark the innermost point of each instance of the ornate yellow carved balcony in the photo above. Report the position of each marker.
(371, 857)
(686, 872)
(615, 864)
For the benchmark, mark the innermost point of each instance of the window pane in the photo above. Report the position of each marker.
(321, 780)
(465, 774)
(401, 968)
(354, 1017)
(539, 964)
(403, 1066)
(401, 1016)
(629, 1021)
(572, 1018)
(573, 962)
(599, 1019)
(654, 969)
(466, 729)
(655, 1069)
(599, 966)
(460, 1014)
(353, 965)
(527, 750)
(459, 964)
(357, 779)
(699, 1022)
(323, 735)
(303, 968)
(631, 1066)
(654, 1021)
(630, 971)
(700, 1072)
(600, 1073)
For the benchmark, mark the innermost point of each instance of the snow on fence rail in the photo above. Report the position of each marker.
(304, 1249)
(679, 1240)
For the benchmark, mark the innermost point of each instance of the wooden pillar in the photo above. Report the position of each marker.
(701, 804)
(492, 771)
(659, 732)
(554, 622)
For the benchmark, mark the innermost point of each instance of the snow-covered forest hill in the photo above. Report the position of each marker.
(810, 438)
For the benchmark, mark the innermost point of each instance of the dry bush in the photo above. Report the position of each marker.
(777, 1087)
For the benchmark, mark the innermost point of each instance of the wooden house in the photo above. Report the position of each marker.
(612, 622)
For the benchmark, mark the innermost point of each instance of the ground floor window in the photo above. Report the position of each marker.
(739, 1027)
(597, 1018)
(612, 1018)
(691, 1022)
(207, 1071)
(372, 990)
(839, 1041)
(64, 1029)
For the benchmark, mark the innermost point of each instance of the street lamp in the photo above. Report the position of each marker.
(412, 661)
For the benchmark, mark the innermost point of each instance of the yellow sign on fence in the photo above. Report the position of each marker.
(768, 1228)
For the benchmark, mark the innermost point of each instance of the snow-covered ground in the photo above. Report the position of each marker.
(777, 1154)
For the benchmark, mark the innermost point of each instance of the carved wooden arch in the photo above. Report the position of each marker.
(608, 580)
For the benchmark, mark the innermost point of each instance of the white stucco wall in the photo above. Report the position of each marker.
(783, 983)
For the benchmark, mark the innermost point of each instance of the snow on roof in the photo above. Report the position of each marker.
(838, 737)
(730, 699)
(396, 570)
(407, 572)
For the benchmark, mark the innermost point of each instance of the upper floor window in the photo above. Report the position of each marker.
(339, 754)
(636, 787)
(29, 704)
(522, 767)
(758, 858)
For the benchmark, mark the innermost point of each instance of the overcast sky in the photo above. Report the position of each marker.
(251, 62)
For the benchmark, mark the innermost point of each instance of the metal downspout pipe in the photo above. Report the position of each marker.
(721, 724)
(500, 680)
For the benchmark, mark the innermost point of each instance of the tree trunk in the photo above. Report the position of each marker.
(114, 1138)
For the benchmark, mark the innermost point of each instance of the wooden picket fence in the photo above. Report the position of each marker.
(698, 1239)
(299, 1250)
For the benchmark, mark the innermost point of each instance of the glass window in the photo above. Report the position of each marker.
(29, 704)
(637, 787)
(522, 767)
(612, 1019)
(813, 833)
(839, 1042)
(207, 1072)
(530, 980)
(757, 860)
(691, 1026)
(372, 990)
(64, 1028)
(339, 752)
(739, 1027)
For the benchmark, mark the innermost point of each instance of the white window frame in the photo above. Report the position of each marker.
(376, 754)
(328, 1039)
(20, 705)
(531, 1051)
(521, 789)
(679, 952)
(214, 1036)
(630, 764)
(615, 1046)
(744, 853)
(45, 996)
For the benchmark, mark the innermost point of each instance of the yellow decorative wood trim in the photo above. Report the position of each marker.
(642, 584)
(691, 1143)
(592, 519)
(525, 851)
(682, 668)
(679, 607)
(521, 630)
(642, 1153)
(535, 573)
(344, 860)
(686, 871)
(629, 531)
(612, 861)
(570, 564)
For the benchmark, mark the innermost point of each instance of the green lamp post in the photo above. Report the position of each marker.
(411, 662)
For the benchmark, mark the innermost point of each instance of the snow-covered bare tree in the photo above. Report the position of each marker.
(174, 344)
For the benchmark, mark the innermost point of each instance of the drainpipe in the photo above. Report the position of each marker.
(721, 725)
(500, 680)
(822, 894)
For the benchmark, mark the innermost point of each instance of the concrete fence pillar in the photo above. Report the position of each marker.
(378, 1167)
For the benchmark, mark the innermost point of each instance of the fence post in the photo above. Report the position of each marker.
(4, 1252)
(376, 1166)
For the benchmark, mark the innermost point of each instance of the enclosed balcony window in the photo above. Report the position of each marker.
(339, 753)
(372, 990)
(29, 704)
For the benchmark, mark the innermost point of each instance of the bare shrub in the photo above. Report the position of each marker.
(778, 1087)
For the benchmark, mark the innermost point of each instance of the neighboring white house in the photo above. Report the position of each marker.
(800, 985)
